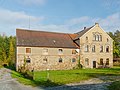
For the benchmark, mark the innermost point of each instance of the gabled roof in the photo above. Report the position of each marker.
(79, 34)
(45, 39)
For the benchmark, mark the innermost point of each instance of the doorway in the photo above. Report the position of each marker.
(94, 64)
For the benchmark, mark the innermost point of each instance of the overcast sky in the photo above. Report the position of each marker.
(67, 16)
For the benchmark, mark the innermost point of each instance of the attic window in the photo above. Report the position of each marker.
(86, 38)
(28, 50)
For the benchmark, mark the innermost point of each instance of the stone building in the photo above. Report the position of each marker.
(59, 51)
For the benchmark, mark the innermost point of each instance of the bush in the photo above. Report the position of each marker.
(116, 63)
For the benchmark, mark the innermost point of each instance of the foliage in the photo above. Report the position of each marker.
(62, 77)
(7, 50)
(116, 44)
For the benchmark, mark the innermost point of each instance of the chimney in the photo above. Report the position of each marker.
(84, 28)
(96, 24)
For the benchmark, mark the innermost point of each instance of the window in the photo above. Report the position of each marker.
(45, 51)
(28, 60)
(73, 60)
(107, 61)
(101, 48)
(74, 52)
(60, 51)
(86, 48)
(86, 38)
(107, 49)
(93, 48)
(86, 61)
(100, 37)
(101, 61)
(28, 50)
(45, 60)
(60, 60)
(94, 37)
(97, 37)
(107, 40)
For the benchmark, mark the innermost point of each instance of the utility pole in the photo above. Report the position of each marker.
(29, 22)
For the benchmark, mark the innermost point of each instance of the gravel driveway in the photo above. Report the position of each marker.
(101, 83)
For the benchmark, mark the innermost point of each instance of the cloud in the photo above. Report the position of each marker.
(110, 23)
(79, 20)
(31, 2)
(112, 4)
(10, 20)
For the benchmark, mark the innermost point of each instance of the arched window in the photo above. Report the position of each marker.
(100, 37)
(94, 37)
(107, 48)
(93, 48)
(60, 51)
(97, 37)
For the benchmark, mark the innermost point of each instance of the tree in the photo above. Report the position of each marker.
(116, 44)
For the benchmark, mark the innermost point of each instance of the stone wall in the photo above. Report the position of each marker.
(37, 58)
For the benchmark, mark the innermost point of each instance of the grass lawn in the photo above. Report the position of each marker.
(114, 86)
(64, 76)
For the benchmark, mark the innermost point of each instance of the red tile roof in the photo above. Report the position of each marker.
(45, 39)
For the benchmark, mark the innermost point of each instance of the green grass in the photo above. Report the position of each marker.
(114, 86)
(64, 77)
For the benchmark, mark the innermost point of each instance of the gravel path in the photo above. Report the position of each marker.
(101, 83)
(8, 83)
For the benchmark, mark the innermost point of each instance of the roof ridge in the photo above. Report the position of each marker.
(41, 31)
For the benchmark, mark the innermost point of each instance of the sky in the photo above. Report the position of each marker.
(67, 16)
